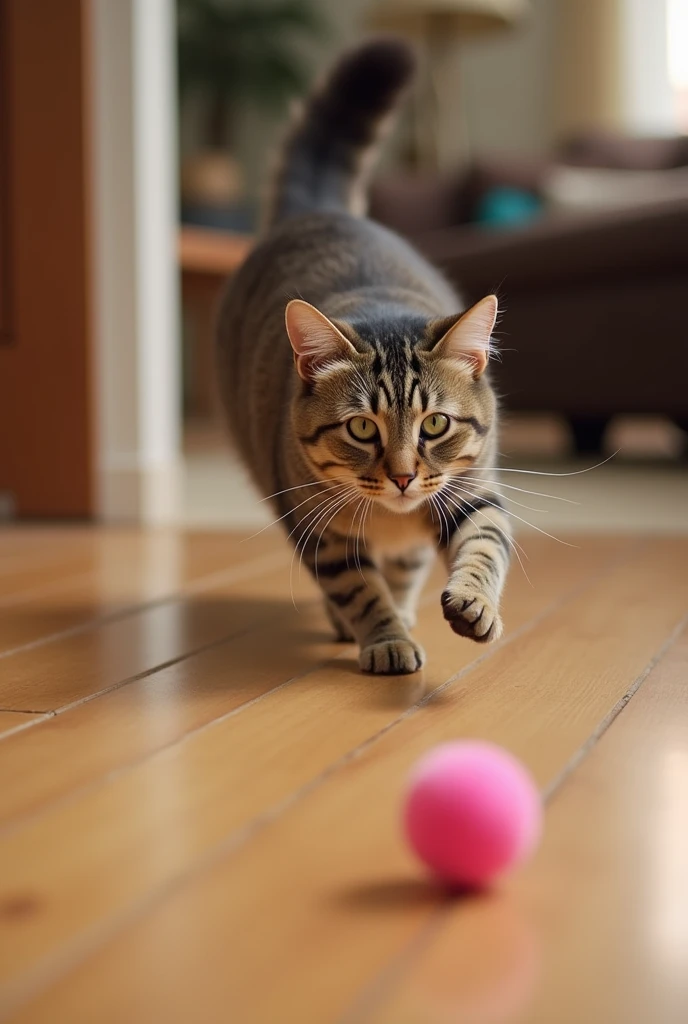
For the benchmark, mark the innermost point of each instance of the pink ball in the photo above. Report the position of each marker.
(472, 811)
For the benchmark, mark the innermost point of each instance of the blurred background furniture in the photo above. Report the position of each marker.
(235, 57)
(594, 289)
(439, 29)
(206, 260)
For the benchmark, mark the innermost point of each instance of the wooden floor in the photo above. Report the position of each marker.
(199, 795)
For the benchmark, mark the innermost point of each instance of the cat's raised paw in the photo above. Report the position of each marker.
(392, 658)
(470, 614)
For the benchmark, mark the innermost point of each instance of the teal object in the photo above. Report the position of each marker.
(506, 207)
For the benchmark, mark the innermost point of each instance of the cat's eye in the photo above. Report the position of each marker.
(362, 429)
(435, 425)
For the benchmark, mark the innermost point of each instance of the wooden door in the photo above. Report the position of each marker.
(46, 424)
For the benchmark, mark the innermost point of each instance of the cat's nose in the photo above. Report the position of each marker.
(402, 480)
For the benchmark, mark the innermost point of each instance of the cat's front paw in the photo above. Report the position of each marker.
(471, 614)
(392, 657)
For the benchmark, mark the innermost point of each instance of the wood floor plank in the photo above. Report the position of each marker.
(32, 555)
(11, 720)
(118, 569)
(134, 721)
(247, 764)
(596, 927)
(26, 581)
(164, 554)
(127, 725)
(311, 901)
(22, 570)
(24, 546)
(80, 664)
(44, 540)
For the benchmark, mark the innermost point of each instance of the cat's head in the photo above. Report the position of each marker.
(393, 407)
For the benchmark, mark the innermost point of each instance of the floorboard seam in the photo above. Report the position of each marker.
(158, 667)
(99, 934)
(389, 975)
(596, 735)
(232, 575)
(128, 766)
(123, 769)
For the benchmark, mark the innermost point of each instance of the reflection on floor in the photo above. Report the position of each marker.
(642, 487)
(200, 795)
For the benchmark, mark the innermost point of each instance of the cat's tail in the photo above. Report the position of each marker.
(326, 153)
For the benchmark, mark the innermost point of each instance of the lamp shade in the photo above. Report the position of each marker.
(467, 17)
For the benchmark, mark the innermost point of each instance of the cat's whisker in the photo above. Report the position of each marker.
(300, 523)
(460, 494)
(311, 512)
(443, 513)
(442, 496)
(505, 497)
(297, 487)
(439, 521)
(434, 509)
(310, 497)
(512, 487)
(349, 536)
(330, 502)
(320, 535)
(464, 501)
(513, 515)
(336, 503)
(366, 511)
(513, 543)
(357, 561)
(336, 512)
(540, 472)
(339, 509)
(451, 515)
(358, 536)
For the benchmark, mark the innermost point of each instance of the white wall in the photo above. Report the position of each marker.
(503, 84)
(647, 100)
(506, 81)
(137, 304)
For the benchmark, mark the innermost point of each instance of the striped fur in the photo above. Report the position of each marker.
(326, 153)
(375, 334)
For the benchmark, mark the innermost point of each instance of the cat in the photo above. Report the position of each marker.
(357, 390)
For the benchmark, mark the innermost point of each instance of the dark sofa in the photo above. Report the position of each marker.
(593, 305)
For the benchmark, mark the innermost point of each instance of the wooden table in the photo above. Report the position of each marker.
(199, 797)
(206, 259)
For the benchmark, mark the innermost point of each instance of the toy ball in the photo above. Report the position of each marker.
(472, 812)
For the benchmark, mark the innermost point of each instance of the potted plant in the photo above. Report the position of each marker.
(232, 53)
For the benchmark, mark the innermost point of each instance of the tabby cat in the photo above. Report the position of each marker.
(357, 393)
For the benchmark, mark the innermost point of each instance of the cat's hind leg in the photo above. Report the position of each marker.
(406, 575)
(342, 632)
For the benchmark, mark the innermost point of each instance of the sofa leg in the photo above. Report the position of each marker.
(588, 433)
(682, 423)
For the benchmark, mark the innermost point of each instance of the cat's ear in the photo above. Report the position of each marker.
(468, 339)
(315, 339)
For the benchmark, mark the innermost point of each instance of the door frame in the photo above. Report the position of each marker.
(137, 303)
(46, 414)
(90, 358)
